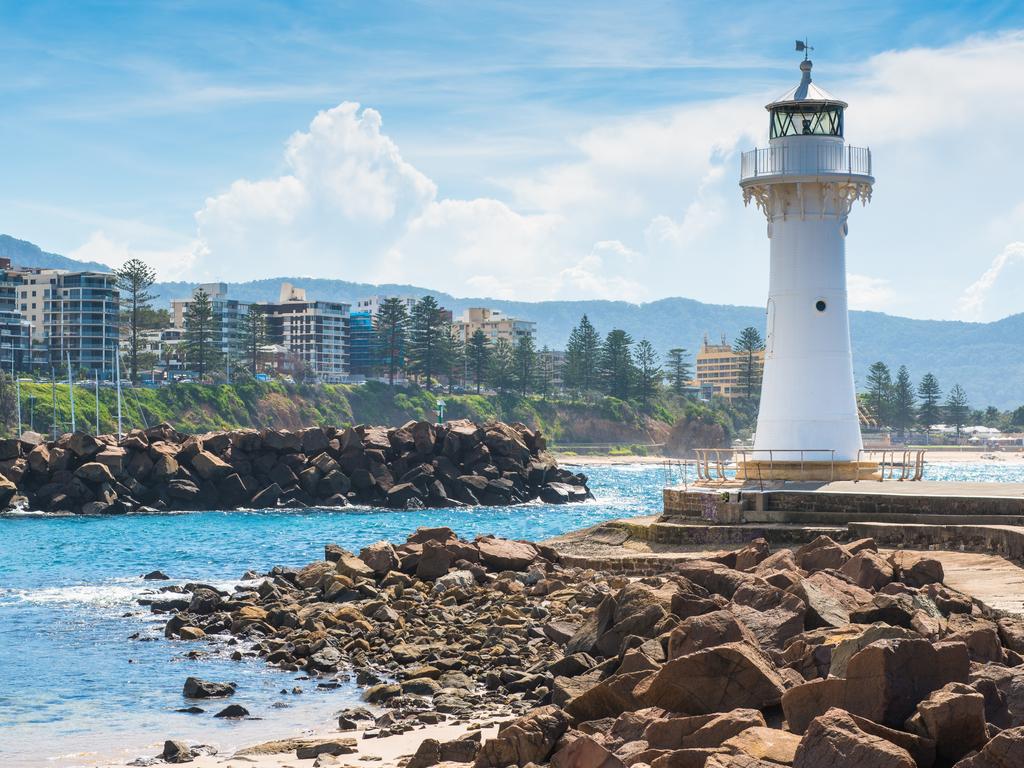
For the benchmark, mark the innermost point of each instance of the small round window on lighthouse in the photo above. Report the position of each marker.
(820, 305)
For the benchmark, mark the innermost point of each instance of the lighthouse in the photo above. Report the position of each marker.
(806, 182)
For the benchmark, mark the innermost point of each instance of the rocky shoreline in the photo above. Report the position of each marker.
(417, 465)
(827, 655)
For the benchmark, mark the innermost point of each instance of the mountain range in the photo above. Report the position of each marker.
(986, 359)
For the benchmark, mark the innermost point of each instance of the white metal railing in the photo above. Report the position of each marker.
(894, 464)
(805, 160)
(720, 465)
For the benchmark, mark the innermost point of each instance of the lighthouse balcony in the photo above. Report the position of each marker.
(796, 162)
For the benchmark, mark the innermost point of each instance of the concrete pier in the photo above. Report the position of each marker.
(987, 517)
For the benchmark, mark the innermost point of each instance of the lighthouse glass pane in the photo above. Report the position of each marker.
(806, 120)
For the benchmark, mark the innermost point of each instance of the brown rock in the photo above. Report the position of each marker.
(506, 555)
(833, 740)
(868, 570)
(916, 570)
(954, 718)
(351, 566)
(210, 467)
(829, 600)
(1005, 750)
(820, 554)
(380, 557)
(706, 631)
(763, 743)
(716, 679)
(530, 738)
(701, 730)
(94, 472)
(585, 752)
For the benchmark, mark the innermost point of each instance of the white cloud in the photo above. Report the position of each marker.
(348, 204)
(870, 293)
(972, 303)
(174, 263)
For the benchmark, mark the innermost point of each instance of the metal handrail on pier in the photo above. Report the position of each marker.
(910, 465)
(714, 465)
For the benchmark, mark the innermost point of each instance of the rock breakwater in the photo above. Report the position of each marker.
(829, 655)
(417, 465)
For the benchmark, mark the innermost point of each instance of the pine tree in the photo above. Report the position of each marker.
(502, 366)
(957, 409)
(648, 372)
(201, 333)
(526, 363)
(618, 372)
(252, 331)
(903, 400)
(453, 360)
(678, 371)
(880, 392)
(390, 327)
(478, 354)
(928, 413)
(426, 328)
(545, 372)
(134, 279)
(582, 357)
(748, 344)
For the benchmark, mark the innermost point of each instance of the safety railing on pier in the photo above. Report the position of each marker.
(722, 465)
(805, 160)
(894, 464)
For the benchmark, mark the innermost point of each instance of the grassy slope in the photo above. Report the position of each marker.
(201, 407)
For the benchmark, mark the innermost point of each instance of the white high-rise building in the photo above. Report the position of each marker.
(806, 182)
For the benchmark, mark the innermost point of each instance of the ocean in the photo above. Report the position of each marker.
(87, 677)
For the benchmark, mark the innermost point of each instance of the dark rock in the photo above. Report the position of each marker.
(196, 688)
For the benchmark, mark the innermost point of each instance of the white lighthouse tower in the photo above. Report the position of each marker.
(806, 182)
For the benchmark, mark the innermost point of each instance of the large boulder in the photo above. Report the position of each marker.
(210, 467)
(529, 739)
(380, 557)
(706, 631)
(585, 752)
(954, 718)
(506, 555)
(820, 554)
(833, 740)
(1005, 750)
(829, 599)
(717, 679)
(195, 688)
(915, 569)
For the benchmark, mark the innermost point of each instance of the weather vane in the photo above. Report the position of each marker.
(801, 45)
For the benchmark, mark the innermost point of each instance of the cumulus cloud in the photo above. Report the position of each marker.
(644, 206)
(972, 302)
(871, 293)
(173, 263)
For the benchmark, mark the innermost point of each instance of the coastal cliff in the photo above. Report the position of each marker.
(417, 465)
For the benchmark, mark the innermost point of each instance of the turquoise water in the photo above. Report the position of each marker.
(78, 690)
(75, 687)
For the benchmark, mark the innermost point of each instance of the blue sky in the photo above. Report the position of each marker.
(528, 150)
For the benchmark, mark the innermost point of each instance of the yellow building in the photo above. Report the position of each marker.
(495, 324)
(720, 371)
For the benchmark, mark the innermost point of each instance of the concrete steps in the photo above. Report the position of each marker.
(822, 517)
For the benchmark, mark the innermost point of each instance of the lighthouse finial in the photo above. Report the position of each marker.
(802, 45)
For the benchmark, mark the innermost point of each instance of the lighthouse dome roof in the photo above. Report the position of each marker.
(806, 92)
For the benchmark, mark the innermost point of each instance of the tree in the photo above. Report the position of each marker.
(426, 328)
(648, 372)
(617, 370)
(252, 331)
(390, 326)
(880, 391)
(1017, 417)
(452, 359)
(201, 333)
(748, 344)
(525, 355)
(928, 413)
(545, 372)
(478, 354)
(903, 400)
(502, 366)
(134, 279)
(957, 408)
(582, 357)
(678, 372)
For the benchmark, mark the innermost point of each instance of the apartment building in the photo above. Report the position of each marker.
(227, 313)
(15, 332)
(73, 318)
(314, 332)
(720, 371)
(495, 325)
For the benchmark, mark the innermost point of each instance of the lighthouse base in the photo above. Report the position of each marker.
(808, 471)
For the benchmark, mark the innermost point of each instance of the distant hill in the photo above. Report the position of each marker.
(986, 359)
(26, 254)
